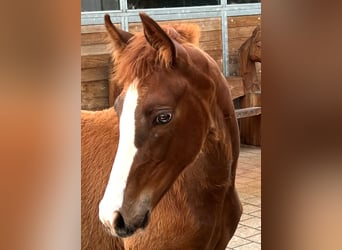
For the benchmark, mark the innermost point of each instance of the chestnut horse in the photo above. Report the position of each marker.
(172, 183)
(99, 139)
(250, 53)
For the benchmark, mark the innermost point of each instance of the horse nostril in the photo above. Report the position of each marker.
(119, 222)
(121, 228)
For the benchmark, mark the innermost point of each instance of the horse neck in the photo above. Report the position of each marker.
(212, 166)
(202, 181)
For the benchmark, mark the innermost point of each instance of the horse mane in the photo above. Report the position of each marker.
(142, 59)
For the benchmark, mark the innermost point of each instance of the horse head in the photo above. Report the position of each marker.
(174, 100)
(255, 48)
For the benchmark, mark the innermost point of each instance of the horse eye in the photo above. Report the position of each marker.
(162, 118)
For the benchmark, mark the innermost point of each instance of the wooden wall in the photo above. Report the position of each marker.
(239, 30)
(95, 67)
(95, 57)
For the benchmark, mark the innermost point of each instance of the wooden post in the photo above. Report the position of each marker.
(250, 127)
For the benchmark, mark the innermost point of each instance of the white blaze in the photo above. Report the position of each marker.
(113, 196)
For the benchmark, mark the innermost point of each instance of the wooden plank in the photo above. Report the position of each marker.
(94, 89)
(234, 58)
(215, 54)
(94, 95)
(94, 74)
(93, 61)
(94, 38)
(258, 69)
(242, 21)
(95, 28)
(234, 69)
(247, 112)
(211, 45)
(95, 49)
(236, 86)
(94, 103)
(235, 44)
(238, 32)
(211, 35)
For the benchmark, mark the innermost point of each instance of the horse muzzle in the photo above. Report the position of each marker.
(123, 224)
(125, 228)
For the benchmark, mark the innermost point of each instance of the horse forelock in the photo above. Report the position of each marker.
(139, 59)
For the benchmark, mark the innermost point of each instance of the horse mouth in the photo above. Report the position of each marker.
(123, 230)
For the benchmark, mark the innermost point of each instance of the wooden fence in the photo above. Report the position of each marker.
(95, 57)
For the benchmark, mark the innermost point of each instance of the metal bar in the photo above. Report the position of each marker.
(123, 5)
(124, 19)
(225, 49)
(134, 16)
(90, 18)
(96, 17)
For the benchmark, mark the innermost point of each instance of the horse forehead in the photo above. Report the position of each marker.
(164, 82)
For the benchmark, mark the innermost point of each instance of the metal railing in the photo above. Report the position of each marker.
(124, 16)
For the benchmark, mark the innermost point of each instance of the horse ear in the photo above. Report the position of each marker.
(159, 40)
(119, 37)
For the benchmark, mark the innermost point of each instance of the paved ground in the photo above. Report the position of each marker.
(248, 181)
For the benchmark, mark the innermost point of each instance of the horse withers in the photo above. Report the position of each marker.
(172, 184)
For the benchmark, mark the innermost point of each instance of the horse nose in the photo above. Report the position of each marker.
(124, 229)
(121, 228)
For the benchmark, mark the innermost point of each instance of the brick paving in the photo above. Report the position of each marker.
(248, 183)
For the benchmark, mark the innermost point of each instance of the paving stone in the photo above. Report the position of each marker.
(250, 208)
(257, 214)
(252, 222)
(250, 246)
(248, 184)
(255, 238)
(245, 231)
(253, 201)
(237, 241)
(245, 217)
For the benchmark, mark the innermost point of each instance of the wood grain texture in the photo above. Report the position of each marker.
(250, 127)
(236, 86)
(247, 112)
(94, 95)
(239, 30)
(94, 74)
(94, 61)
(241, 21)
(94, 38)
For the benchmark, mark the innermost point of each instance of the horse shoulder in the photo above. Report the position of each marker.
(98, 144)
